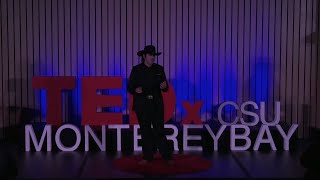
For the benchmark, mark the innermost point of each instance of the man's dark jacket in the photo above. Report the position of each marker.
(149, 78)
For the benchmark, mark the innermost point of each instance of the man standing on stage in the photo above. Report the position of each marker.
(146, 82)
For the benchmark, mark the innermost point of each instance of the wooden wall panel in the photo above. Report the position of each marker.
(213, 50)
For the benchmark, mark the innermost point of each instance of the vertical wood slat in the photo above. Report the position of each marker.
(104, 38)
(141, 23)
(221, 52)
(148, 21)
(123, 50)
(197, 53)
(73, 56)
(5, 56)
(295, 53)
(66, 37)
(184, 55)
(11, 62)
(117, 37)
(289, 63)
(17, 60)
(159, 30)
(92, 38)
(203, 60)
(68, 58)
(2, 92)
(86, 38)
(308, 68)
(246, 50)
(313, 64)
(234, 52)
(318, 68)
(2, 112)
(228, 83)
(304, 63)
(277, 49)
(42, 53)
(23, 60)
(61, 50)
(129, 46)
(209, 34)
(111, 47)
(135, 32)
(191, 50)
(213, 50)
(30, 54)
(283, 57)
(270, 11)
(129, 40)
(166, 38)
(240, 51)
(179, 55)
(154, 22)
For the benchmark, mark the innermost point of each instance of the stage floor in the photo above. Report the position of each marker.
(273, 164)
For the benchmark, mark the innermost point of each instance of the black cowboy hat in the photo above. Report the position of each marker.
(150, 49)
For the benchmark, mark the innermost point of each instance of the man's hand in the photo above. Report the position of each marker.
(163, 85)
(139, 90)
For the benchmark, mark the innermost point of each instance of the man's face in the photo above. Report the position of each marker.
(149, 58)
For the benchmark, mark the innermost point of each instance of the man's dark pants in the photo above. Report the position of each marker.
(153, 114)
